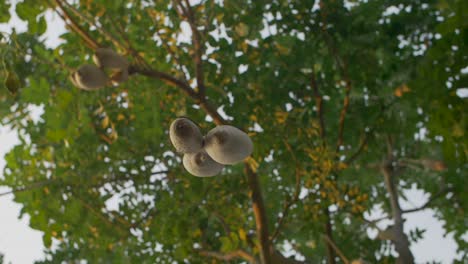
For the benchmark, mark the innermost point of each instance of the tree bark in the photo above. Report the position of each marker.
(401, 242)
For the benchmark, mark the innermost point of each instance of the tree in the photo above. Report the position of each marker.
(346, 102)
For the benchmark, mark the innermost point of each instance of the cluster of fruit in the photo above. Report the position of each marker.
(206, 156)
(110, 68)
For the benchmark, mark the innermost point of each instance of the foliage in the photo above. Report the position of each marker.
(327, 91)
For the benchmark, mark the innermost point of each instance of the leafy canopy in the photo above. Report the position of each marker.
(329, 91)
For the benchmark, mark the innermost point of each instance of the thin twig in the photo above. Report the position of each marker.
(29, 187)
(428, 203)
(91, 22)
(89, 41)
(292, 200)
(97, 213)
(222, 221)
(367, 134)
(343, 68)
(187, 12)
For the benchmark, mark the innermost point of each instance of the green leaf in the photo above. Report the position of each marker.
(4, 13)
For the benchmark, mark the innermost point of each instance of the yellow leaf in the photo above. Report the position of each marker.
(105, 122)
(281, 116)
(99, 110)
(311, 244)
(242, 29)
(458, 131)
(242, 235)
(282, 49)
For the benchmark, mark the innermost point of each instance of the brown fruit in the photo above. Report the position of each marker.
(185, 136)
(106, 58)
(228, 145)
(201, 165)
(89, 77)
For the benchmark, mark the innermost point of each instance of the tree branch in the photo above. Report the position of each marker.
(167, 78)
(401, 240)
(89, 41)
(91, 22)
(292, 200)
(329, 235)
(428, 203)
(365, 138)
(318, 104)
(343, 68)
(337, 250)
(32, 186)
(259, 213)
(360, 149)
(187, 12)
(98, 213)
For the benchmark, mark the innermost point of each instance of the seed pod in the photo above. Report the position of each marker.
(107, 58)
(185, 136)
(201, 165)
(228, 145)
(89, 77)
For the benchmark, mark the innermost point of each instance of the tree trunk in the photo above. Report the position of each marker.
(400, 241)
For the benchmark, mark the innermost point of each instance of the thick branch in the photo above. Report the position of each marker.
(169, 79)
(237, 254)
(337, 250)
(260, 215)
(401, 240)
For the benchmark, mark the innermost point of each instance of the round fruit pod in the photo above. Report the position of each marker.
(185, 136)
(89, 77)
(228, 145)
(108, 58)
(200, 164)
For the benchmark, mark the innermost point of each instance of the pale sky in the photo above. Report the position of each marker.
(22, 245)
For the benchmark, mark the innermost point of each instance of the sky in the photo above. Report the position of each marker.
(23, 245)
